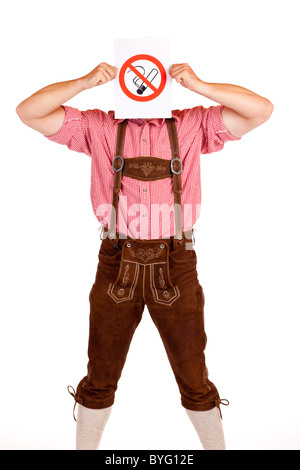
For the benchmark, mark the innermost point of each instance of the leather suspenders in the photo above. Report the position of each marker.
(176, 169)
(147, 169)
(118, 165)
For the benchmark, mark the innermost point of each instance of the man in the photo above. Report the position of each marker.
(147, 260)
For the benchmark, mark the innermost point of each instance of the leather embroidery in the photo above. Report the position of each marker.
(145, 255)
(125, 276)
(125, 280)
(124, 287)
(166, 294)
(147, 167)
(120, 292)
(162, 282)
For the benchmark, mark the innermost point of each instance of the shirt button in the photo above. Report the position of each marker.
(144, 215)
(145, 190)
(144, 140)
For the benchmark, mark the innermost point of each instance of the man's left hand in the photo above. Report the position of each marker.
(184, 75)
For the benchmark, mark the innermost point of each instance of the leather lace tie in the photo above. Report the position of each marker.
(76, 398)
(219, 402)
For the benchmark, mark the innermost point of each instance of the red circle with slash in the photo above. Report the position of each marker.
(156, 91)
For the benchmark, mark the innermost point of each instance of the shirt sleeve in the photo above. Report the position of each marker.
(205, 125)
(75, 131)
(213, 133)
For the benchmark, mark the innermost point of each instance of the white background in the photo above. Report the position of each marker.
(247, 236)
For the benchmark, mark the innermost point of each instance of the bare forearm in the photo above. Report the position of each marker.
(49, 98)
(243, 110)
(244, 102)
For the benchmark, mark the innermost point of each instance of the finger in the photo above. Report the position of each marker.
(175, 67)
(178, 70)
(101, 78)
(113, 70)
(179, 76)
(105, 75)
(110, 69)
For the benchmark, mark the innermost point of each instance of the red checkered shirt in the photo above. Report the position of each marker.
(146, 209)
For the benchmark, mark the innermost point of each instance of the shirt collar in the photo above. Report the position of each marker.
(156, 121)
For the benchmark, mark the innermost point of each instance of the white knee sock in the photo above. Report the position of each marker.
(90, 427)
(208, 425)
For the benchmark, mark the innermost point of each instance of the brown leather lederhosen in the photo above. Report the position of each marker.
(158, 273)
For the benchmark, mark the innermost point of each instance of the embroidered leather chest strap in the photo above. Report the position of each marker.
(147, 168)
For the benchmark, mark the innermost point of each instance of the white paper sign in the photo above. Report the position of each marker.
(143, 83)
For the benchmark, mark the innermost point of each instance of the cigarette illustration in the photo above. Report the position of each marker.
(141, 86)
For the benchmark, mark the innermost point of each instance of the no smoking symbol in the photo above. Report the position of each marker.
(142, 78)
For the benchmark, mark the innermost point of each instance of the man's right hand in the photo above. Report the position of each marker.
(102, 74)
